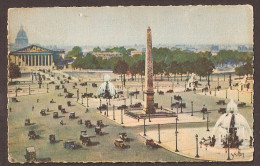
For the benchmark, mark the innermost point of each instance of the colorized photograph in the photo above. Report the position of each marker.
(130, 84)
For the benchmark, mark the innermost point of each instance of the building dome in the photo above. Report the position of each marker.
(21, 39)
(234, 125)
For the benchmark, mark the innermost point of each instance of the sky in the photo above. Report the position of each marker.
(101, 26)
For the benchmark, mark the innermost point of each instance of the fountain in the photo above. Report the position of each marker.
(234, 126)
(106, 89)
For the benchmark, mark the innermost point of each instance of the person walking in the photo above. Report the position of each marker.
(32, 108)
(10, 109)
(138, 118)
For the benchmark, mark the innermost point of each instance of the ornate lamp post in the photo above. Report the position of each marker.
(171, 104)
(16, 91)
(100, 105)
(228, 146)
(144, 128)
(215, 91)
(114, 112)
(87, 101)
(29, 90)
(208, 121)
(157, 87)
(197, 147)
(122, 116)
(47, 88)
(136, 94)
(107, 109)
(181, 105)
(81, 98)
(177, 111)
(176, 137)
(159, 136)
(237, 95)
(192, 108)
(130, 99)
(143, 96)
(77, 94)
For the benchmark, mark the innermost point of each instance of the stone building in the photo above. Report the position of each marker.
(107, 55)
(34, 56)
(21, 40)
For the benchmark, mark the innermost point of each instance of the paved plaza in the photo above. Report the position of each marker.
(188, 125)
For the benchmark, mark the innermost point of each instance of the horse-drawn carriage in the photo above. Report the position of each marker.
(32, 135)
(161, 93)
(222, 110)
(55, 115)
(69, 103)
(42, 112)
(69, 95)
(221, 102)
(30, 155)
(27, 122)
(94, 85)
(124, 137)
(100, 123)
(120, 143)
(72, 115)
(98, 131)
(71, 145)
(52, 138)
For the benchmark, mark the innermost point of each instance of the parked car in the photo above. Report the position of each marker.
(72, 115)
(69, 95)
(221, 102)
(43, 113)
(122, 107)
(55, 115)
(88, 123)
(120, 143)
(98, 131)
(169, 91)
(161, 93)
(100, 123)
(71, 145)
(151, 143)
(102, 107)
(222, 110)
(136, 105)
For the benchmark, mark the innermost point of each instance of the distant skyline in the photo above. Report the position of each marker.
(103, 26)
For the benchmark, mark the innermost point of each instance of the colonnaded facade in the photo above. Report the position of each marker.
(33, 56)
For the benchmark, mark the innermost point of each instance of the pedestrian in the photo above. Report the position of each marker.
(86, 110)
(37, 100)
(161, 107)
(138, 118)
(61, 122)
(10, 109)
(32, 108)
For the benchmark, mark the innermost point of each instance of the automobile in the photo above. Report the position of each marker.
(59, 107)
(52, 101)
(177, 97)
(55, 115)
(19, 89)
(82, 132)
(71, 145)
(136, 105)
(57, 87)
(69, 103)
(119, 143)
(72, 115)
(123, 136)
(221, 102)
(161, 93)
(85, 139)
(30, 155)
(98, 131)
(32, 134)
(151, 143)
(88, 123)
(52, 138)
(236, 84)
(120, 92)
(169, 91)
(83, 84)
(63, 111)
(102, 107)
(69, 95)
(122, 107)
(100, 123)
(242, 104)
(43, 113)
(132, 93)
(94, 85)
(14, 100)
(27, 122)
(156, 105)
(65, 90)
(222, 110)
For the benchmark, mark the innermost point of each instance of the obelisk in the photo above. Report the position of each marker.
(148, 91)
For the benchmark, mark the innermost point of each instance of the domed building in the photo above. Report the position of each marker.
(21, 39)
(234, 126)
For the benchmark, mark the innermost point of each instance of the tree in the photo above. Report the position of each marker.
(134, 70)
(204, 67)
(14, 71)
(75, 52)
(244, 69)
(121, 67)
(97, 49)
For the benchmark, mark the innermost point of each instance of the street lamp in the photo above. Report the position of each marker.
(171, 104)
(177, 111)
(114, 112)
(172, 84)
(215, 91)
(29, 90)
(107, 109)
(77, 94)
(181, 105)
(192, 108)
(100, 105)
(130, 99)
(122, 116)
(47, 88)
(218, 79)
(81, 98)
(127, 92)
(176, 137)
(87, 101)
(226, 93)
(142, 84)
(159, 136)
(16, 91)
(157, 87)
(208, 121)
(136, 94)
(197, 147)
(144, 128)
(238, 95)
(228, 147)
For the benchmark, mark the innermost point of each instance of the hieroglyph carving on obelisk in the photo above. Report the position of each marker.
(149, 93)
